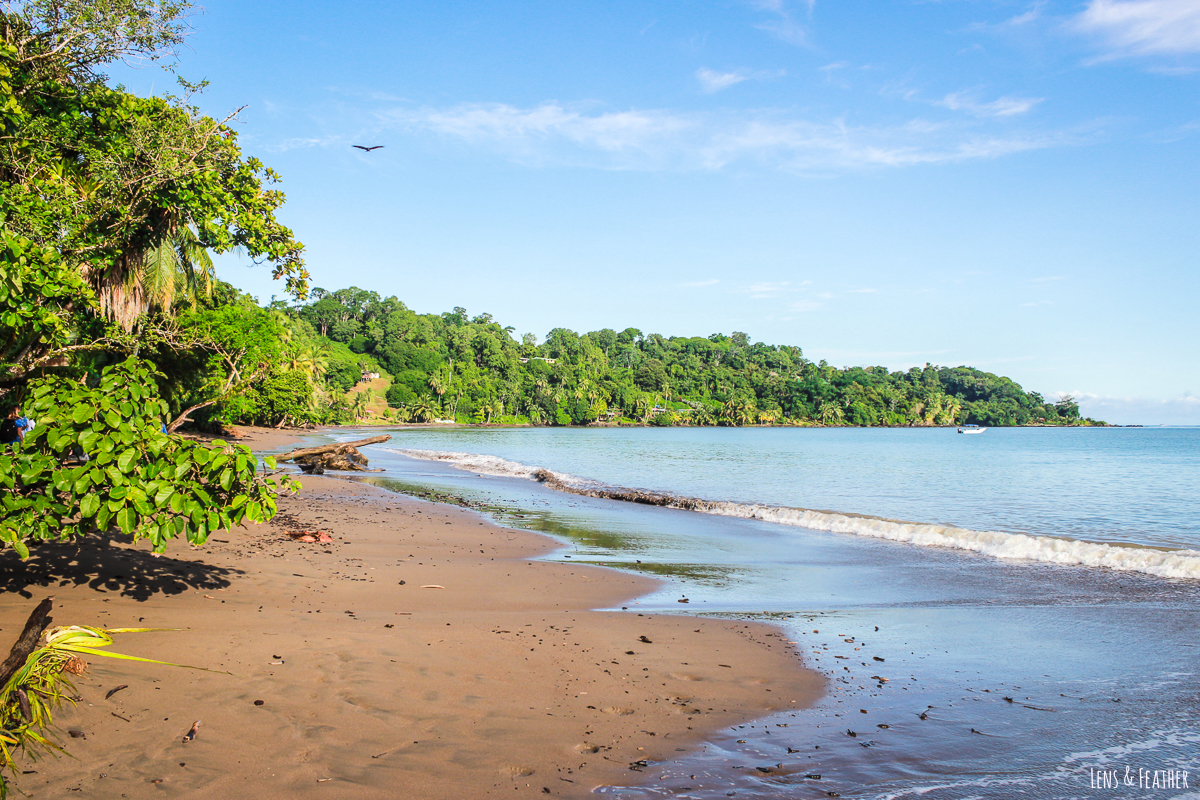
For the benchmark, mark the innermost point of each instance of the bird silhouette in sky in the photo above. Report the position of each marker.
(367, 149)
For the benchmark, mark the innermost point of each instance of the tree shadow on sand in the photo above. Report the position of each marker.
(105, 568)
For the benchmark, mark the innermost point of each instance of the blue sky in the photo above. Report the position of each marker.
(1010, 185)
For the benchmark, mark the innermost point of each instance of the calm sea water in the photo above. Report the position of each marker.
(1014, 665)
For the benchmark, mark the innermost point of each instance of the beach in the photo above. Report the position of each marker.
(420, 654)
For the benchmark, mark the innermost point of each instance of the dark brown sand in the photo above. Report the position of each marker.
(495, 681)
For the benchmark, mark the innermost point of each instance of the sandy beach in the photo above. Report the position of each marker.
(420, 655)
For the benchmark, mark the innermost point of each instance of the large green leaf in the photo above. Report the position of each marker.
(126, 459)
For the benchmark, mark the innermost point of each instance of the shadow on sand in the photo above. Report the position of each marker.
(105, 568)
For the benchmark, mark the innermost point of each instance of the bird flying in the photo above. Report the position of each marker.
(367, 149)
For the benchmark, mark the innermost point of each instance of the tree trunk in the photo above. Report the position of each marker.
(329, 448)
(27, 643)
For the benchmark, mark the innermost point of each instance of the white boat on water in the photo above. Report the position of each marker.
(971, 429)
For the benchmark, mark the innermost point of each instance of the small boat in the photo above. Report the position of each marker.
(971, 429)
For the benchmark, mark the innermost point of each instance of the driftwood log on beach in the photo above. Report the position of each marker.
(330, 448)
(28, 640)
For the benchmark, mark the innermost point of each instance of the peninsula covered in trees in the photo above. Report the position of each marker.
(471, 369)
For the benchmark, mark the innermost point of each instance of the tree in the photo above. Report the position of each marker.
(95, 183)
(98, 461)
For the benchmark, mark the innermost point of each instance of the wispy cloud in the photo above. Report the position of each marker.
(783, 24)
(303, 143)
(1182, 410)
(766, 289)
(552, 133)
(697, 284)
(1001, 107)
(712, 81)
(1143, 27)
(1021, 20)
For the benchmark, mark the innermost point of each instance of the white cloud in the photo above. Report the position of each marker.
(696, 284)
(784, 26)
(766, 289)
(662, 139)
(713, 81)
(1183, 410)
(1143, 27)
(1002, 107)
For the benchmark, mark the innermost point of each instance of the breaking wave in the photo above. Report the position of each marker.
(1161, 562)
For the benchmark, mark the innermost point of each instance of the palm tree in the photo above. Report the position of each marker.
(177, 268)
(439, 382)
(173, 266)
(737, 411)
(829, 413)
(358, 406)
(422, 410)
(768, 416)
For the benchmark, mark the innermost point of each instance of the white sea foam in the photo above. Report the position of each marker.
(485, 464)
(1049, 549)
(1014, 546)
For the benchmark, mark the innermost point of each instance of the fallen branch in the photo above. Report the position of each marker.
(27, 643)
(329, 448)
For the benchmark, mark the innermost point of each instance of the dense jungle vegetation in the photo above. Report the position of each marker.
(454, 366)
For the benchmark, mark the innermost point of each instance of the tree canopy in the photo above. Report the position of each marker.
(469, 368)
(108, 204)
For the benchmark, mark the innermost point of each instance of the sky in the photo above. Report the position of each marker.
(1006, 185)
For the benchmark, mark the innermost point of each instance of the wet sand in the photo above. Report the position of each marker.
(420, 655)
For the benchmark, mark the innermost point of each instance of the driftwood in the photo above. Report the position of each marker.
(345, 457)
(28, 641)
(329, 448)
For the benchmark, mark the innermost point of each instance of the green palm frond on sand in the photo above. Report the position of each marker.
(41, 685)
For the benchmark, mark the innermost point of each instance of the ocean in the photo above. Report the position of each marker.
(1013, 614)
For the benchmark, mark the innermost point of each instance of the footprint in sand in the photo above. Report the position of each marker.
(516, 771)
(584, 747)
(685, 676)
(619, 711)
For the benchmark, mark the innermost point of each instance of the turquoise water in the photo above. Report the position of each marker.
(994, 593)
(1117, 485)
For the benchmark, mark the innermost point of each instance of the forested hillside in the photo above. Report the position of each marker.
(472, 369)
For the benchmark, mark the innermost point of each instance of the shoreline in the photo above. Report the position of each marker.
(500, 679)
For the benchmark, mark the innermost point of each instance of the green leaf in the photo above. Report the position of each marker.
(21, 549)
(82, 414)
(127, 520)
(226, 479)
(89, 506)
(126, 459)
(270, 462)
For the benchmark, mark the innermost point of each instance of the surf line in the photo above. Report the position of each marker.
(1011, 546)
